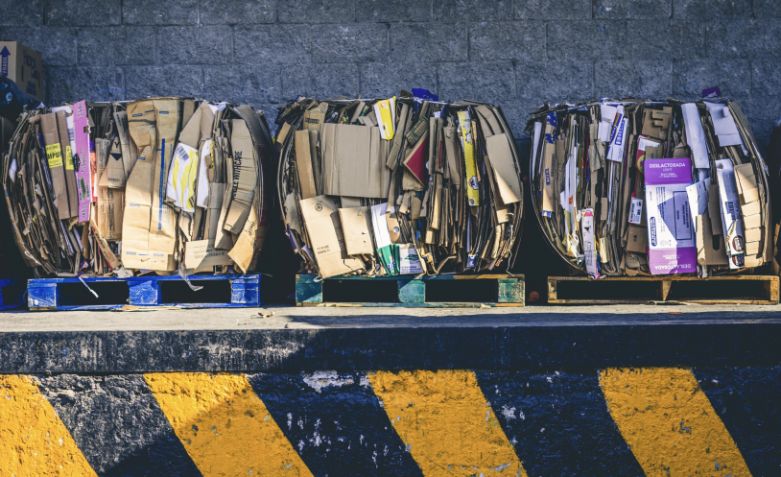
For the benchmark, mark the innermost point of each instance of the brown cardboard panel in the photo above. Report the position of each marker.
(306, 177)
(710, 248)
(70, 168)
(56, 162)
(244, 250)
(637, 241)
(321, 219)
(507, 177)
(245, 177)
(356, 225)
(352, 163)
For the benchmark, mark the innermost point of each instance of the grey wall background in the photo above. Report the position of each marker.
(517, 53)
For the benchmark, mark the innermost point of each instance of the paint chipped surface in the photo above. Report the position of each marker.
(669, 423)
(33, 439)
(447, 423)
(224, 426)
(320, 380)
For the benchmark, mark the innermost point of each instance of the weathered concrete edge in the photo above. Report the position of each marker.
(351, 349)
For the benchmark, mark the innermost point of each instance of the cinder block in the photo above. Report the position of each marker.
(429, 42)
(153, 12)
(270, 44)
(28, 13)
(252, 84)
(83, 12)
(763, 78)
(600, 39)
(238, 11)
(743, 38)
(681, 39)
(635, 9)
(767, 9)
(489, 82)
(472, 10)
(732, 76)
(95, 83)
(321, 80)
(165, 80)
(386, 79)
(56, 44)
(102, 46)
(710, 9)
(347, 42)
(652, 79)
(553, 9)
(555, 80)
(317, 11)
(393, 10)
(195, 45)
(507, 41)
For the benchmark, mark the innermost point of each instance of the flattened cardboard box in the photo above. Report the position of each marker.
(23, 66)
(322, 224)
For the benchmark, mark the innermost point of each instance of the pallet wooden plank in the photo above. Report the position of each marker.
(726, 289)
(409, 291)
(512, 291)
(412, 292)
(150, 290)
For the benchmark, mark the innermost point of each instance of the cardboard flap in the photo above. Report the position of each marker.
(352, 162)
(416, 159)
(306, 177)
(507, 177)
(356, 224)
(245, 177)
(321, 220)
(191, 133)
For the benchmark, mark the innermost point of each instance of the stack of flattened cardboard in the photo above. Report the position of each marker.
(642, 187)
(158, 185)
(399, 186)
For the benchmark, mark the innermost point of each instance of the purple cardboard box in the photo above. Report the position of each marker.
(671, 239)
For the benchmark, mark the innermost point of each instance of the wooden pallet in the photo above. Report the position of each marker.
(408, 291)
(11, 294)
(219, 291)
(718, 290)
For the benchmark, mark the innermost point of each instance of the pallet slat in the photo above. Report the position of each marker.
(219, 291)
(721, 290)
(408, 291)
(11, 294)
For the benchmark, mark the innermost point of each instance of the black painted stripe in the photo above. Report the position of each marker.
(746, 400)
(336, 423)
(558, 423)
(118, 425)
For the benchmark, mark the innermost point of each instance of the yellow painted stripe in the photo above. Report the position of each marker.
(33, 439)
(446, 422)
(669, 423)
(225, 427)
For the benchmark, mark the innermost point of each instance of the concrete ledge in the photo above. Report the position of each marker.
(294, 340)
(681, 391)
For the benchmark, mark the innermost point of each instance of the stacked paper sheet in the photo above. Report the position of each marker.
(161, 184)
(399, 186)
(643, 187)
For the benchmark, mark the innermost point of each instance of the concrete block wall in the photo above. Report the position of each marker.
(517, 53)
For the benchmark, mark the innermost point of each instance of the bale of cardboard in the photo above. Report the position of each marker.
(165, 185)
(406, 185)
(634, 187)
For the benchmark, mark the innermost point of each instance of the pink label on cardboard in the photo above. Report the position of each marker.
(672, 261)
(671, 244)
(83, 173)
(668, 171)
